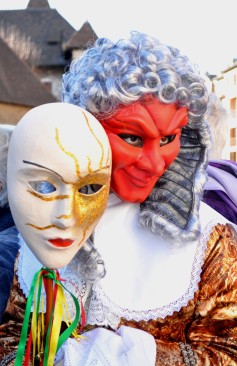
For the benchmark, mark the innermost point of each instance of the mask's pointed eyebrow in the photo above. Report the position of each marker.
(41, 166)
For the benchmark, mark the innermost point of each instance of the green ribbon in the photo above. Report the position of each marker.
(24, 331)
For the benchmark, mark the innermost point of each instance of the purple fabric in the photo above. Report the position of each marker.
(220, 191)
(227, 165)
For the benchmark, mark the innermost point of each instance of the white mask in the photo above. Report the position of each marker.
(59, 165)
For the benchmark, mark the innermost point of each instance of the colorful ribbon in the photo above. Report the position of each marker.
(47, 345)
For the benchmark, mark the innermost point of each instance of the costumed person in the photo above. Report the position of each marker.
(218, 190)
(170, 259)
(58, 175)
(217, 117)
(222, 173)
(8, 233)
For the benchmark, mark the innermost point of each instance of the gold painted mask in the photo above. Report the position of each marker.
(59, 165)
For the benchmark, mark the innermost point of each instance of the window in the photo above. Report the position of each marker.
(233, 107)
(232, 136)
(233, 156)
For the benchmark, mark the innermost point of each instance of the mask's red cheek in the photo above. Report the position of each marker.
(171, 150)
(122, 153)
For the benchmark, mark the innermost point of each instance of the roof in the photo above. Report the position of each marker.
(38, 4)
(81, 39)
(43, 28)
(18, 84)
(234, 66)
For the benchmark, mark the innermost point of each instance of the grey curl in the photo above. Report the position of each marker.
(110, 74)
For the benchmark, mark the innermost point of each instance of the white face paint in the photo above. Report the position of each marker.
(59, 165)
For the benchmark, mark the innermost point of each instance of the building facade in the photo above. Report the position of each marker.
(225, 87)
(45, 44)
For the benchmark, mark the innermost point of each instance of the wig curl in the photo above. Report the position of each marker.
(112, 74)
(217, 117)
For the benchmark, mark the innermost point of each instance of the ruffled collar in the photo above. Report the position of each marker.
(28, 265)
(145, 278)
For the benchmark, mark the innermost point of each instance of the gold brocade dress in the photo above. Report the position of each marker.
(209, 321)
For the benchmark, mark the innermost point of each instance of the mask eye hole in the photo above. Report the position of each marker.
(90, 189)
(166, 140)
(133, 140)
(42, 187)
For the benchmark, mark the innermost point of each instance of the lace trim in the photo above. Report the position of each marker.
(83, 353)
(71, 351)
(103, 311)
(73, 283)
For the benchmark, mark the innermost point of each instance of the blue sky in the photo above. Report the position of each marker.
(204, 30)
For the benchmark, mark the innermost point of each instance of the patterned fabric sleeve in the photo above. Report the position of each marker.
(12, 320)
(208, 324)
(213, 332)
(8, 250)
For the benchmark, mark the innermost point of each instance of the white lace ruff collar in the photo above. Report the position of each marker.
(145, 279)
(28, 265)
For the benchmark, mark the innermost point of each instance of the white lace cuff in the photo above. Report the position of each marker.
(101, 347)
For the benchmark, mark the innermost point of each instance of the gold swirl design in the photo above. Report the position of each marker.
(69, 154)
(43, 198)
(45, 227)
(99, 142)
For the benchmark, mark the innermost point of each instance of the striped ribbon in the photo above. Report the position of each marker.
(34, 331)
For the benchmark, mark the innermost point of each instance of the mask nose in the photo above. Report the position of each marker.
(151, 159)
(64, 216)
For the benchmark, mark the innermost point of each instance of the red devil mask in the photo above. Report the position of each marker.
(145, 140)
